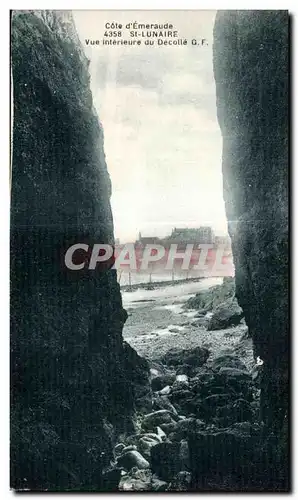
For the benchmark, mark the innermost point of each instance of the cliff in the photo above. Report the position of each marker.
(251, 73)
(70, 374)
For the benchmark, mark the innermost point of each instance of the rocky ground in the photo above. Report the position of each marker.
(197, 423)
(176, 317)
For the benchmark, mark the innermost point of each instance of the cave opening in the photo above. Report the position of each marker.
(163, 147)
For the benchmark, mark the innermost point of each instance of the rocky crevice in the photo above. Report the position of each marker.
(71, 380)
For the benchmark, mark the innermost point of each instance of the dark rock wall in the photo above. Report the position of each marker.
(251, 73)
(70, 380)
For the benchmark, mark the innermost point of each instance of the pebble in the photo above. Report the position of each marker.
(182, 378)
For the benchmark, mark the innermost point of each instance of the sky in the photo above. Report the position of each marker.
(157, 106)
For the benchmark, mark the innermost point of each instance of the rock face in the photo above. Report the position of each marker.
(210, 299)
(70, 375)
(251, 73)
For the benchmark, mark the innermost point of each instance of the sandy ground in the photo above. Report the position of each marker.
(157, 322)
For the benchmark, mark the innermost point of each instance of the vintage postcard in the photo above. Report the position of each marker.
(149, 251)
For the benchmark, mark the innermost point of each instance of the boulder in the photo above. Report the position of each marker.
(130, 447)
(146, 441)
(227, 361)
(193, 357)
(157, 418)
(169, 428)
(185, 427)
(145, 445)
(161, 402)
(160, 381)
(179, 393)
(183, 401)
(214, 387)
(133, 440)
(225, 315)
(132, 459)
(209, 299)
(152, 435)
(208, 378)
(235, 373)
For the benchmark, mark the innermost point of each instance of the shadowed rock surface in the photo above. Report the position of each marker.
(251, 73)
(70, 377)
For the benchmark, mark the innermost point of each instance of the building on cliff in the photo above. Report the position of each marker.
(203, 235)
